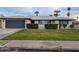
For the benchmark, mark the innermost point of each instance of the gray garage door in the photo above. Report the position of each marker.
(15, 23)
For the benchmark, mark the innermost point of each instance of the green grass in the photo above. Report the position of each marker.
(35, 34)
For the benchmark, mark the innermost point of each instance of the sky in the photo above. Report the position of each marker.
(43, 11)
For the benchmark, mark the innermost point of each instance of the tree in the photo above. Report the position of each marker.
(56, 13)
(1, 15)
(36, 12)
(68, 8)
(50, 15)
(77, 17)
(68, 13)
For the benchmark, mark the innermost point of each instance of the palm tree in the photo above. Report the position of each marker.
(68, 13)
(50, 15)
(1, 15)
(68, 8)
(77, 17)
(36, 12)
(56, 13)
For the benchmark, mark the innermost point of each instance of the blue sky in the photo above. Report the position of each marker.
(29, 11)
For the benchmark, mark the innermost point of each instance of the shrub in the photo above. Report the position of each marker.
(32, 26)
(51, 26)
(64, 25)
(72, 26)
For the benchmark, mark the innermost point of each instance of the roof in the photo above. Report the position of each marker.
(14, 18)
(49, 18)
(37, 18)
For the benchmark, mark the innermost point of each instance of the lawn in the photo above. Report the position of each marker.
(36, 34)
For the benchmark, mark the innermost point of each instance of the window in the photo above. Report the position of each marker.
(49, 22)
(53, 22)
(40, 22)
(63, 22)
(36, 22)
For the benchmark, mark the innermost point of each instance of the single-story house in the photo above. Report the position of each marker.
(42, 22)
(76, 24)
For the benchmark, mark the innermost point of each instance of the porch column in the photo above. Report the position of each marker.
(58, 26)
(25, 24)
(57, 22)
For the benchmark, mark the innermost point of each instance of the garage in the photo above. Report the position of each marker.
(15, 23)
(0, 24)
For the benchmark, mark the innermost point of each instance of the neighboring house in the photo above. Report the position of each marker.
(76, 24)
(21, 22)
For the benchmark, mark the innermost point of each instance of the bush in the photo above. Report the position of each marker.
(72, 26)
(51, 26)
(32, 26)
(64, 25)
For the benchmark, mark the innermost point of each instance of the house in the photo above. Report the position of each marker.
(41, 22)
(59, 21)
(76, 24)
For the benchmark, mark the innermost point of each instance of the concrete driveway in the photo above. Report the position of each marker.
(6, 32)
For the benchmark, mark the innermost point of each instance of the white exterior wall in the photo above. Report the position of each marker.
(56, 22)
(41, 26)
(27, 22)
(3, 24)
(36, 22)
(52, 22)
(76, 26)
(70, 22)
(44, 22)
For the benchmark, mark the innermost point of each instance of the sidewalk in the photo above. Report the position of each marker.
(43, 45)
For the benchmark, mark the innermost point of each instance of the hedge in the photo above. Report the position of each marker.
(51, 26)
(32, 26)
